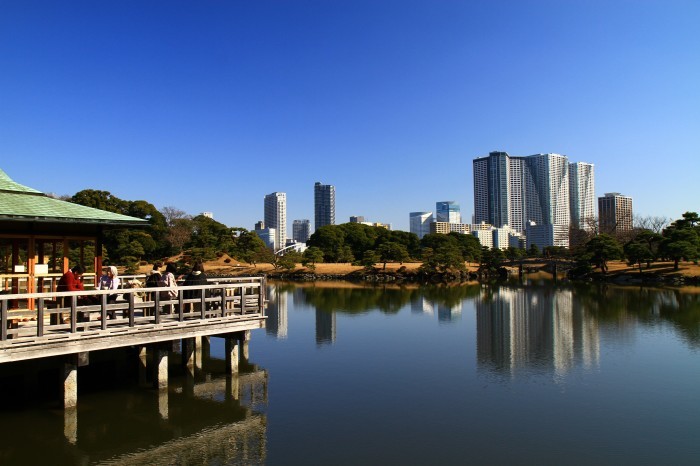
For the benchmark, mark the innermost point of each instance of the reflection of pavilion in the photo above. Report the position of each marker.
(277, 312)
(526, 328)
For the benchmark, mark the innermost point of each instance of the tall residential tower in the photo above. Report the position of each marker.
(324, 205)
(276, 217)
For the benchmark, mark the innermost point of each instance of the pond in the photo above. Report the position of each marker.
(533, 373)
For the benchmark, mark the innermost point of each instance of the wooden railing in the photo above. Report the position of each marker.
(83, 313)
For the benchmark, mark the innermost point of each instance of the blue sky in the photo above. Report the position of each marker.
(210, 105)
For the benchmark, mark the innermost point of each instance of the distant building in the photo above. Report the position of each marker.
(582, 195)
(547, 235)
(301, 230)
(269, 237)
(419, 223)
(259, 225)
(357, 219)
(615, 213)
(208, 214)
(447, 211)
(276, 217)
(324, 205)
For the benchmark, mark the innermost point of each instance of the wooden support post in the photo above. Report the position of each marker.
(163, 404)
(232, 345)
(233, 384)
(206, 348)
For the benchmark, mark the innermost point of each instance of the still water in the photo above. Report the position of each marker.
(346, 374)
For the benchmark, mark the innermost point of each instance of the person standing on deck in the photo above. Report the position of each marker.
(195, 277)
(109, 281)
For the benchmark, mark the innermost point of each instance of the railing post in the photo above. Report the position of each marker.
(181, 305)
(3, 320)
(103, 311)
(132, 310)
(73, 314)
(156, 307)
(40, 317)
(223, 291)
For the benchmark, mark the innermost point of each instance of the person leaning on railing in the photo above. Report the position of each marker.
(109, 281)
(194, 278)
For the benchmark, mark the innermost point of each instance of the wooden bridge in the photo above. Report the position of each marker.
(72, 324)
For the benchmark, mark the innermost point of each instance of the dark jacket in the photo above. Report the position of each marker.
(193, 279)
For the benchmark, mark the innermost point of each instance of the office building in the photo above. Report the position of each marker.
(582, 195)
(419, 223)
(301, 230)
(615, 213)
(357, 219)
(276, 217)
(447, 211)
(324, 205)
(547, 235)
(268, 236)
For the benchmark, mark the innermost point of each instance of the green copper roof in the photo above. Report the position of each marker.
(18, 202)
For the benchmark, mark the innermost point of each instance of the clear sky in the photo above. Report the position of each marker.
(210, 105)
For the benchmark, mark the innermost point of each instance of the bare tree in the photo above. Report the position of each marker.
(654, 224)
(173, 214)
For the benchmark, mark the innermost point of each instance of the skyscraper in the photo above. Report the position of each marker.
(419, 223)
(582, 194)
(301, 230)
(324, 205)
(615, 213)
(516, 190)
(447, 211)
(276, 217)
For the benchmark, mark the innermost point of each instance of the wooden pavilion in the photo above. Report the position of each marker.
(38, 235)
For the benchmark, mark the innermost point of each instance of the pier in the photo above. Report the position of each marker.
(55, 325)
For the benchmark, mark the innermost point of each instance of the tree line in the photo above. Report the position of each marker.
(172, 231)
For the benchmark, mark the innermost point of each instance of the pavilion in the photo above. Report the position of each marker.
(39, 233)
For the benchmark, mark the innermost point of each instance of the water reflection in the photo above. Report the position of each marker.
(526, 328)
(202, 418)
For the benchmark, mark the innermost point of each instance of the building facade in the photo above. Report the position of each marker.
(513, 191)
(419, 223)
(582, 195)
(276, 217)
(324, 205)
(301, 230)
(615, 213)
(447, 211)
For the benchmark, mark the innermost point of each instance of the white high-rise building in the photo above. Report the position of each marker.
(514, 191)
(276, 217)
(582, 194)
(419, 223)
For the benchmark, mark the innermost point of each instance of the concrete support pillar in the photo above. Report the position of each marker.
(189, 382)
(70, 383)
(245, 338)
(206, 348)
(233, 384)
(188, 350)
(70, 424)
(143, 366)
(232, 348)
(160, 362)
(198, 352)
(163, 404)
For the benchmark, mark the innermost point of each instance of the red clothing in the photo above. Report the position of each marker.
(70, 282)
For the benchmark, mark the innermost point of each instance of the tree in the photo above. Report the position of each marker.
(311, 257)
(638, 252)
(602, 249)
(680, 244)
(392, 251)
(469, 245)
(328, 239)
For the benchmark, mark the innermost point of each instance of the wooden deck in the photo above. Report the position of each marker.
(139, 317)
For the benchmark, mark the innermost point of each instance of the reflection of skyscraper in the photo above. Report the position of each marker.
(277, 313)
(449, 313)
(531, 329)
(420, 305)
(325, 327)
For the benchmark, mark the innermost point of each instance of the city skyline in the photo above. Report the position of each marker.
(388, 101)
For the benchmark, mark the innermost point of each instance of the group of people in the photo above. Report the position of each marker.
(73, 281)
